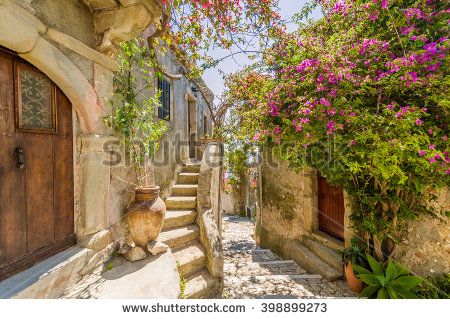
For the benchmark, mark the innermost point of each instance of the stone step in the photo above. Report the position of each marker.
(191, 168)
(255, 255)
(190, 258)
(181, 202)
(329, 255)
(188, 178)
(201, 285)
(312, 263)
(178, 218)
(178, 237)
(277, 267)
(327, 240)
(185, 189)
(265, 278)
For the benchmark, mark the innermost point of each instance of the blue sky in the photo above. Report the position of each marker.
(214, 78)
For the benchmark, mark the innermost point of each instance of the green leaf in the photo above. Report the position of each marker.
(360, 270)
(382, 294)
(392, 293)
(370, 279)
(401, 270)
(375, 265)
(405, 282)
(382, 280)
(369, 291)
(407, 294)
(391, 271)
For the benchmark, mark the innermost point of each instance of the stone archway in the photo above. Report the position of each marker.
(22, 32)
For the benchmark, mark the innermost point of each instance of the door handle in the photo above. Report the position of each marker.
(20, 158)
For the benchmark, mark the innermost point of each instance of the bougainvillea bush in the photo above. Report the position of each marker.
(198, 26)
(363, 96)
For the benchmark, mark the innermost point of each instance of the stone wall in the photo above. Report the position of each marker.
(282, 199)
(232, 203)
(209, 217)
(425, 248)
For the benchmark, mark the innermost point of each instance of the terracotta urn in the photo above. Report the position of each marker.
(145, 215)
(353, 282)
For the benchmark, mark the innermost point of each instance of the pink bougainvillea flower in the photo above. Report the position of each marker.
(431, 147)
(432, 160)
(325, 102)
(391, 106)
(430, 131)
(277, 130)
(419, 122)
(431, 48)
(274, 111)
(422, 153)
(437, 156)
(434, 67)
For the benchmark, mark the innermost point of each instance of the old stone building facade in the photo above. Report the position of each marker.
(70, 46)
(289, 224)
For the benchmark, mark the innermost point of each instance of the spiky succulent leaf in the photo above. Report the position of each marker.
(377, 268)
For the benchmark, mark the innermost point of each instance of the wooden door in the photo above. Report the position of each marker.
(36, 166)
(331, 209)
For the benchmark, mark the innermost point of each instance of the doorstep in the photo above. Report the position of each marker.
(327, 240)
(49, 278)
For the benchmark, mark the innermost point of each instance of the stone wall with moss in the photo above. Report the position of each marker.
(282, 200)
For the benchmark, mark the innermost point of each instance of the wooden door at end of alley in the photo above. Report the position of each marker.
(331, 209)
(36, 166)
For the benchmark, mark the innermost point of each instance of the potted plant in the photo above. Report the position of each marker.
(351, 256)
(133, 120)
(393, 281)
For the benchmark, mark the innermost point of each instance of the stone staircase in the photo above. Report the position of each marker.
(320, 254)
(181, 233)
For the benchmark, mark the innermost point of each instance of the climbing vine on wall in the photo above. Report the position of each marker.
(133, 107)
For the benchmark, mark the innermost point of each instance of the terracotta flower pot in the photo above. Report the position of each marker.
(145, 215)
(353, 282)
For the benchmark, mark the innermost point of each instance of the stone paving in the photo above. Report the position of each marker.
(252, 272)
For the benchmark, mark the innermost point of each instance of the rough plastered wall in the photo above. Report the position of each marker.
(71, 17)
(232, 203)
(282, 199)
(425, 248)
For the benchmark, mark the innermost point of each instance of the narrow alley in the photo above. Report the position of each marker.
(253, 272)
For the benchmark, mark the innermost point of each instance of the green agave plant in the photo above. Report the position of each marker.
(391, 282)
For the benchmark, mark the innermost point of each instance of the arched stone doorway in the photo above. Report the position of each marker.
(36, 166)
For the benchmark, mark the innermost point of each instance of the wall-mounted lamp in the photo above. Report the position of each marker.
(195, 90)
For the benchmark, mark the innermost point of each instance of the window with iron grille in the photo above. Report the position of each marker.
(205, 125)
(164, 98)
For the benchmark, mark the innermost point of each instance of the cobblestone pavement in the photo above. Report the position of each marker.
(252, 272)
